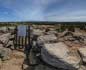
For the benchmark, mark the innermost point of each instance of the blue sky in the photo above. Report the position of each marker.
(42, 10)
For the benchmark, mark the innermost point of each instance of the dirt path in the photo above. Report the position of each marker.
(15, 63)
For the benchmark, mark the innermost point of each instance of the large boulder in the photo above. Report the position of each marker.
(12, 37)
(84, 40)
(4, 38)
(51, 32)
(46, 39)
(66, 33)
(5, 53)
(58, 55)
(1, 45)
(82, 51)
(37, 32)
(10, 43)
(82, 67)
(69, 38)
(32, 58)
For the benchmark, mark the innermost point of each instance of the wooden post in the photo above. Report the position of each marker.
(25, 41)
(28, 46)
(29, 43)
(16, 37)
(22, 42)
(26, 38)
(19, 43)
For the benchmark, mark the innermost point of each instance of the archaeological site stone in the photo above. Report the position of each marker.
(5, 53)
(4, 38)
(46, 38)
(37, 32)
(58, 55)
(82, 51)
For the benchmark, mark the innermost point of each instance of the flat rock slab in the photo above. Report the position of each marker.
(46, 38)
(82, 51)
(58, 55)
(4, 38)
(37, 32)
(51, 32)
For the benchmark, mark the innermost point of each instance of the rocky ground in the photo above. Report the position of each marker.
(9, 58)
(51, 50)
(58, 50)
(15, 63)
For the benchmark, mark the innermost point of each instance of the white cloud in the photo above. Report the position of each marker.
(75, 15)
(31, 15)
(47, 2)
(35, 10)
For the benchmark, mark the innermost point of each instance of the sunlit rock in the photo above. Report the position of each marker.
(4, 38)
(37, 32)
(82, 51)
(47, 38)
(58, 55)
(5, 53)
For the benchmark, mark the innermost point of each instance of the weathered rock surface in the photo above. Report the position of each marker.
(82, 67)
(58, 55)
(4, 38)
(32, 58)
(1, 45)
(85, 40)
(10, 45)
(82, 51)
(60, 49)
(47, 38)
(6, 45)
(66, 33)
(44, 67)
(12, 37)
(51, 32)
(5, 53)
(37, 32)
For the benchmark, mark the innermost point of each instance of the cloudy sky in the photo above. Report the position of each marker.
(42, 10)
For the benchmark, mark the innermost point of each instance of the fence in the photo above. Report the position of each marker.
(21, 42)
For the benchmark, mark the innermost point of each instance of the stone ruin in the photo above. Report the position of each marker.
(61, 50)
(6, 44)
(51, 50)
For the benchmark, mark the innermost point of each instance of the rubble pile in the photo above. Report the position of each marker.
(64, 50)
(6, 44)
